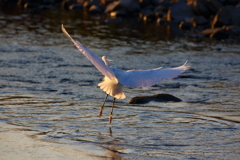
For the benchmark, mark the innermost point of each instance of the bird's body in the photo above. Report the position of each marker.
(115, 79)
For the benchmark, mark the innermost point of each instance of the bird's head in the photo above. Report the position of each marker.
(105, 60)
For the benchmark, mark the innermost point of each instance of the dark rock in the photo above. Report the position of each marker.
(76, 7)
(221, 34)
(234, 29)
(21, 2)
(113, 20)
(144, 12)
(149, 17)
(106, 2)
(89, 3)
(227, 15)
(180, 12)
(187, 25)
(214, 5)
(210, 31)
(160, 14)
(218, 33)
(155, 98)
(235, 14)
(200, 8)
(95, 9)
(161, 21)
(118, 14)
(161, 9)
(205, 8)
(174, 29)
(230, 2)
(223, 17)
(150, 8)
(200, 20)
(30, 5)
(67, 3)
(35, 7)
(123, 5)
(144, 3)
(165, 3)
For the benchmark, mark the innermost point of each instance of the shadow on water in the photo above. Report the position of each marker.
(48, 86)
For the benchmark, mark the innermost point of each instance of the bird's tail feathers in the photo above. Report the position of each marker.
(115, 90)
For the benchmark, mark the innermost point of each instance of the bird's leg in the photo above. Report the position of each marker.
(111, 113)
(101, 110)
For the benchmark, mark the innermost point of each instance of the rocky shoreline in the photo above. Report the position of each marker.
(219, 19)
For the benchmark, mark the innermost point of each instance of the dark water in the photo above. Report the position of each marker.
(47, 85)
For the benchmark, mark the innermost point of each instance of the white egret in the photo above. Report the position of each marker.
(115, 79)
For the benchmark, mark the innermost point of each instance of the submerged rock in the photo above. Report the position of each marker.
(155, 98)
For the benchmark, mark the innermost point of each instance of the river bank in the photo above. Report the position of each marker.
(23, 144)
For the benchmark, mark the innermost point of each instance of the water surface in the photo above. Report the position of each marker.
(47, 85)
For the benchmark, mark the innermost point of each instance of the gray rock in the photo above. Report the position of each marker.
(155, 98)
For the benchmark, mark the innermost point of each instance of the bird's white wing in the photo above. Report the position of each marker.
(147, 78)
(96, 61)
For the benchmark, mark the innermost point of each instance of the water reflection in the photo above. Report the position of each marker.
(48, 86)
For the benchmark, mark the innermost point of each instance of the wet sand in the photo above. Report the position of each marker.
(18, 143)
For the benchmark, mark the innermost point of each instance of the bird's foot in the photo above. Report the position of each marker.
(100, 113)
(110, 119)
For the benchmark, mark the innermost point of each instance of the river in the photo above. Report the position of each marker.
(48, 86)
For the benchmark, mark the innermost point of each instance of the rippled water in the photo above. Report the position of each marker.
(48, 86)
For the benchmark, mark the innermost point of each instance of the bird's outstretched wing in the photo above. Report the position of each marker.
(96, 61)
(147, 78)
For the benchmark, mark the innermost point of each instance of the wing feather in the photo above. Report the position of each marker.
(96, 61)
(147, 78)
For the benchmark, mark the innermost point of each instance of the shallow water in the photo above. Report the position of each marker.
(47, 85)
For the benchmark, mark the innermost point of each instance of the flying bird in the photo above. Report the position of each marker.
(115, 79)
